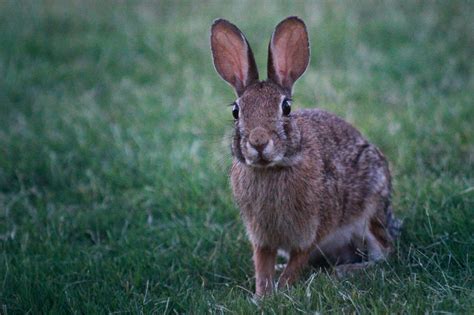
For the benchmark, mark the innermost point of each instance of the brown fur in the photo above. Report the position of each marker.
(264, 260)
(307, 183)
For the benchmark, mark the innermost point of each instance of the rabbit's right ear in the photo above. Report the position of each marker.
(288, 52)
(233, 57)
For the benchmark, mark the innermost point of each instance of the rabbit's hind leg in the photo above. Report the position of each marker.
(340, 247)
(348, 269)
(374, 251)
(341, 254)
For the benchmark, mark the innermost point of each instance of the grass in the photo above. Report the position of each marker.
(114, 156)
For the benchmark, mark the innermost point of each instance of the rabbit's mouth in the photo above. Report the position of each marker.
(260, 161)
(280, 161)
(263, 156)
(263, 162)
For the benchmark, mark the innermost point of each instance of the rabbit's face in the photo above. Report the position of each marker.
(265, 133)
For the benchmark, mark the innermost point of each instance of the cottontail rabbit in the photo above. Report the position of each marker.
(306, 182)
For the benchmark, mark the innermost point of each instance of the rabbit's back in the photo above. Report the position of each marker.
(355, 172)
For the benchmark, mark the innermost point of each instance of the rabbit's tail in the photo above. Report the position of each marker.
(393, 225)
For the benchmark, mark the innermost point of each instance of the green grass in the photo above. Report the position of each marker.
(114, 154)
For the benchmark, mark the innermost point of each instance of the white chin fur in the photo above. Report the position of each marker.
(268, 149)
(251, 152)
(252, 157)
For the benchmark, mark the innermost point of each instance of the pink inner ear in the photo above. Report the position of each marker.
(286, 44)
(290, 52)
(233, 57)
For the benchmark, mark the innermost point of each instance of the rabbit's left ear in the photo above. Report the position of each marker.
(233, 57)
(288, 52)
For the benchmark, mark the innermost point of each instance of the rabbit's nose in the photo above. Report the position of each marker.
(259, 138)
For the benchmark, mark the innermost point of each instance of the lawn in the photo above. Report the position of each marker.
(114, 154)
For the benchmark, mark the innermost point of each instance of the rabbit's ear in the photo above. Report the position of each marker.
(233, 57)
(288, 52)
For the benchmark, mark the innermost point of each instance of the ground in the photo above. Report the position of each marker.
(114, 154)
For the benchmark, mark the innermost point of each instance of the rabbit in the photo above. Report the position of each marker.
(307, 183)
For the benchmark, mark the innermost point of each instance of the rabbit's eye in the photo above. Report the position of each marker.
(286, 107)
(235, 111)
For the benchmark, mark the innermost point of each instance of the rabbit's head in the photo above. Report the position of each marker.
(265, 132)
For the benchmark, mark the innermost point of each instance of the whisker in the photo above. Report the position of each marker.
(224, 160)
